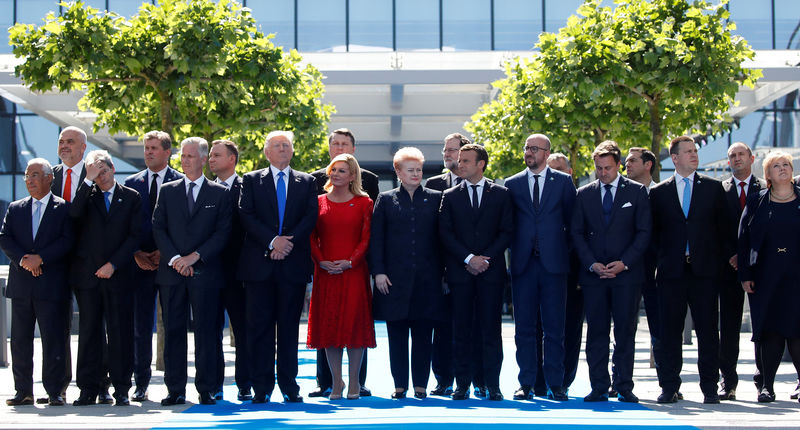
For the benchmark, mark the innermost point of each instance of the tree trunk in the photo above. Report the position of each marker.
(166, 114)
(657, 135)
(573, 158)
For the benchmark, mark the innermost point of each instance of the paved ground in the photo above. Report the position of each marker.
(380, 412)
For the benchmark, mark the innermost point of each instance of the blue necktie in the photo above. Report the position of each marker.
(608, 201)
(106, 194)
(37, 214)
(687, 200)
(281, 191)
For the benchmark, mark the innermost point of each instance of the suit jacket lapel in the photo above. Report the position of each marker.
(618, 198)
(545, 197)
(201, 198)
(291, 189)
(673, 192)
(98, 199)
(28, 218)
(48, 210)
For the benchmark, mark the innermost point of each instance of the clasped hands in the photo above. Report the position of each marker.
(147, 260)
(32, 263)
(281, 247)
(608, 271)
(477, 264)
(183, 265)
(336, 267)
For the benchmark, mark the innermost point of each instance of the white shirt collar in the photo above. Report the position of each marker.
(110, 190)
(275, 171)
(45, 200)
(542, 174)
(161, 173)
(480, 183)
(679, 178)
(198, 181)
(746, 181)
(614, 183)
(228, 181)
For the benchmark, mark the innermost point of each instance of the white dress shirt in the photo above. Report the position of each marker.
(542, 177)
(228, 182)
(679, 184)
(75, 175)
(159, 180)
(481, 184)
(614, 184)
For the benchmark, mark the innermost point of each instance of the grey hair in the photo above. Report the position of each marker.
(46, 167)
(285, 133)
(559, 156)
(100, 154)
(202, 145)
(75, 129)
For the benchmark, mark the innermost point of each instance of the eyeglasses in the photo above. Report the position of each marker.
(36, 175)
(449, 150)
(534, 149)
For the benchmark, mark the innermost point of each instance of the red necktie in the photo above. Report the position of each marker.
(742, 196)
(68, 186)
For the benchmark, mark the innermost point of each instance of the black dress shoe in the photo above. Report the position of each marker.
(711, 398)
(46, 400)
(244, 395)
(667, 397)
(766, 395)
(217, 395)
(540, 392)
(612, 392)
(57, 400)
(596, 396)
(260, 398)
(680, 395)
(420, 394)
(727, 394)
(104, 398)
(441, 390)
(173, 399)
(206, 398)
(320, 392)
(20, 400)
(557, 393)
(85, 400)
(627, 396)
(460, 394)
(140, 394)
(494, 394)
(364, 392)
(523, 393)
(122, 401)
(481, 392)
(293, 398)
(397, 395)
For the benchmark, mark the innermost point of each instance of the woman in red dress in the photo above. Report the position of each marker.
(341, 300)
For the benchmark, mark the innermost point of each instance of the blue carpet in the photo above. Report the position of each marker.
(381, 412)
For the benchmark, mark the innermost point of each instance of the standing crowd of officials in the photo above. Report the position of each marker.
(247, 246)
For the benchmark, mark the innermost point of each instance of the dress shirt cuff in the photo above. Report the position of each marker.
(271, 242)
(88, 182)
(469, 257)
(172, 260)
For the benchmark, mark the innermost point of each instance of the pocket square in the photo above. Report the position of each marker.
(627, 205)
(209, 206)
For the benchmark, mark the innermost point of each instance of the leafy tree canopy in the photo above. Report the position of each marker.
(191, 68)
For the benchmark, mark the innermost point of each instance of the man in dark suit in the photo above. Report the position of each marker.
(475, 227)
(37, 237)
(157, 150)
(731, 295)
(222, 162)
(692, 238)
(341, 141)
(191, 224)
(543, 202)
(610, 230)
(278, 210)
(108, 216)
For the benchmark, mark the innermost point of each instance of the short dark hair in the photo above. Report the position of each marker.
(606, 148)
(480, 150)
(676, 142)
(162, 136)
(343, 132)
(462, 140)
(230, 146)
(646, 155)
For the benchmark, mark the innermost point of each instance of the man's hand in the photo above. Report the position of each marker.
(613, 268)
(734, 262)
(747, 286)
(281, 247)
(182, 263)
(188, 271)
(471, 271)
(105, 271)
(32, 263)
(155, 258)
(93, 170)
(144, 260)
(479, 263)
(382, 283)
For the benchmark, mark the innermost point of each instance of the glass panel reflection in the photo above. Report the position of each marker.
(34, 11)
(556, 13)
(126, 8)
(517, 24)
(417, 25)
(321, 25)
(755, 129)
(36, 137)
(370, 25)
(466, 25)
(275, 16)
(787, 24)
(753, 22)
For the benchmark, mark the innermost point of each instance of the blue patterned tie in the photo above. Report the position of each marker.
(106, 194)
(37, 214)
(608, 201)
(281, 191)
(687, 200)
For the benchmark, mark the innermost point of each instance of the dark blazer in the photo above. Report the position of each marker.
(626, 237)
(404, 245)
(205, 230)
(258, 211)
(138, 182)
(488, 232)
(551, 223)
(439, 182)
(735, 210)
(104, 236)
(706, 228)
(233, 248)
(369, 182)
(58, 178)
(53, 241)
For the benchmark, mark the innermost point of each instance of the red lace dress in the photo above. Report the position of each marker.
(340, 314)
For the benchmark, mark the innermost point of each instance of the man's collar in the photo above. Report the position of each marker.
(679, 178)
(77, 168)
(45, 199)
(275, 171)
(542, 174)
(746, 181)
(614, 183)
(161, 173)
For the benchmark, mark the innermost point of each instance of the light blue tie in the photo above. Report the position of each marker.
(687, 200)
(37, 214)
(281, 191)
(106, 194)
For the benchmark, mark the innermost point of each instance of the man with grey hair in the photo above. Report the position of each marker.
(37, 283)
(191, 224)
(107, 216)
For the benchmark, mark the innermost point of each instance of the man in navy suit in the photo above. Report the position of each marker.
(543, 202)
(731, 296)
(222, 162)
(610, 230)
(191, 225)
(475, 227)
(37, 236)
(692, 238)
(157, 150)
(108, 218)
(278, 210)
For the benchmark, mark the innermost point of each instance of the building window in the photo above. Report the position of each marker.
(517, 24)
(276, 17)
(370, 25)
(417, 25)
(466, 25)
(321, 26)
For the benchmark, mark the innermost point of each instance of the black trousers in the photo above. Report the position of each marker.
(483, 301)
(144, 319)
(769, 352)
(52, 318)
(731, 304)
(109, 344)
(573, 335)
(700, 293)
(421, 342)
(273, 306)
(175, 302)
(233, 301)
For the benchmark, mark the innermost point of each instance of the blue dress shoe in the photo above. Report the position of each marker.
(320, 392)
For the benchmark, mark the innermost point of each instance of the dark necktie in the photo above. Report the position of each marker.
(608, 201)
(281, 192)
(105, 199)
(475, 204)
(190, 197)
(153, 192)
(536, 192)
(742, 196)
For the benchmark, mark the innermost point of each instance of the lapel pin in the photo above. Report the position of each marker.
(424, 200)
(552, 178)
(351, 205)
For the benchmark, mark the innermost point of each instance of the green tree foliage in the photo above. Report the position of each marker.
(191, 68)
(645, 70)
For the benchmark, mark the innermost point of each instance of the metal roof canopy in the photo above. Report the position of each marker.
(393, 99)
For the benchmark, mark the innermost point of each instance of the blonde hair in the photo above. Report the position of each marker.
(352, 164)
(408, 153)
(772, 157)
